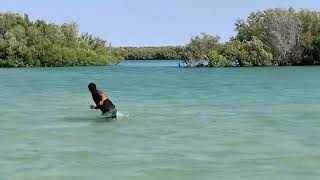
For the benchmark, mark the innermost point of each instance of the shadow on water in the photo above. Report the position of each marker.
(93, 117)
(97, 119)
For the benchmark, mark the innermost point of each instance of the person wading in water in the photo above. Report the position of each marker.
(102, 102)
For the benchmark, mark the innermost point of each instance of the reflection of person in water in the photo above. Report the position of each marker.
(102, 102)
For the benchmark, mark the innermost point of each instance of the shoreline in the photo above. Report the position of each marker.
(141, 61)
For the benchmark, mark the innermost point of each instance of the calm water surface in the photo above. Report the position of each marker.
(175, 123)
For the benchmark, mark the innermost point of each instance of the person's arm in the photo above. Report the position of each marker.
(95, 106)
(98, 106)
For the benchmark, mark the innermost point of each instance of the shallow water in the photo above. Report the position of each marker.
(175, 123)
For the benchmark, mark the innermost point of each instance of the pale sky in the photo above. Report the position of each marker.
(149, 22)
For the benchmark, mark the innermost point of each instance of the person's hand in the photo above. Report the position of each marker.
(92, 106)
(101, 103)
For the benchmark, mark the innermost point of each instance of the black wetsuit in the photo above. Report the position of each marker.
(107, 106)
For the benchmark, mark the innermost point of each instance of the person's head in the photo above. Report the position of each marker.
(92, 87)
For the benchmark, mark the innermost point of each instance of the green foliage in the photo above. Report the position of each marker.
(216, 59)
(33, 44)
(311, 24)
(200, 46)
(197, 50)
(151, 53)
(247, 53)
(292, 37)
(275, 37)
(258, 53)
(235, 51)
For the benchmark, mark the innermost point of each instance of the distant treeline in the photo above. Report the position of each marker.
(152, 53)
(274, 37)
(24, 43)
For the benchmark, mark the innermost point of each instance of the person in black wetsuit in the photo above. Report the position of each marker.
(102, 102)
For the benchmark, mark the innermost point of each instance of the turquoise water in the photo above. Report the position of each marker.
(175, 123)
